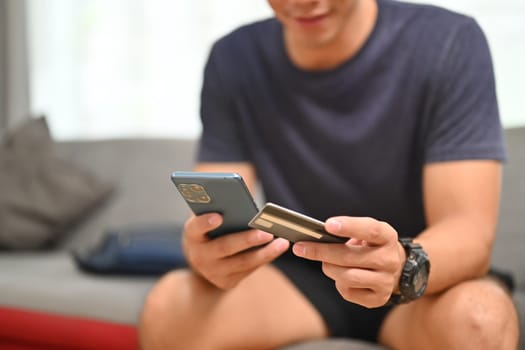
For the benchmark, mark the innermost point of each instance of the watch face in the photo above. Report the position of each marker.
(419, 280)
(413, 281)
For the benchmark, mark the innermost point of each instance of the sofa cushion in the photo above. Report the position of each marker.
(152, 249)
(41, 194)
(67, 332)
(49, 282)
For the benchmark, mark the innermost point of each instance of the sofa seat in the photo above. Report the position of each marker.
(59, 307)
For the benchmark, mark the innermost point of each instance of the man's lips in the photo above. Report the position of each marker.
(311, 20)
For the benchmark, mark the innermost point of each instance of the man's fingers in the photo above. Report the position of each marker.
(366, 257)
(359, 278)
(252, 259)
(362, 296)
(231, 270)
(361, 286)
(372, 231)
(231, 244)
(196, 225)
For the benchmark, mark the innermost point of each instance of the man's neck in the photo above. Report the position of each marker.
(347, 44)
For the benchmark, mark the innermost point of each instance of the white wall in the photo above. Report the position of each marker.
(133, 67)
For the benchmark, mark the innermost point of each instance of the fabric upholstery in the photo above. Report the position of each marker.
(51, 331)
(41, 194)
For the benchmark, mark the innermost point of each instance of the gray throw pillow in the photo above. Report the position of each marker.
(41, 195)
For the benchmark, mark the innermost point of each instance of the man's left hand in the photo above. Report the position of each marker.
(367, 267)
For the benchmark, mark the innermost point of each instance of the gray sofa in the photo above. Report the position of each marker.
(49, 280)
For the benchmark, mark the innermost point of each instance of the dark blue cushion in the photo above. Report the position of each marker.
(145, 250)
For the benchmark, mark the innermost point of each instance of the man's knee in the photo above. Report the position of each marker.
(484, 310)
(161, 297)
(158, 296)
(166, 311)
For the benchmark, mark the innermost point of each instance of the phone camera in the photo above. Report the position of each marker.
(194, 193)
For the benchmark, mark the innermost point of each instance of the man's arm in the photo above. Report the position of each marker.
(461, 201)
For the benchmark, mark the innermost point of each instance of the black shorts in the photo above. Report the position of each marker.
(343, 319)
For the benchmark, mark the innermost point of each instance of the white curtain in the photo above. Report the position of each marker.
(14, 84)
(122, 68)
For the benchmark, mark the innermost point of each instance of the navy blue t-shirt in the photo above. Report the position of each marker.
(353, 140)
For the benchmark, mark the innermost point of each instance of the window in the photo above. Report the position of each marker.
(126, 68)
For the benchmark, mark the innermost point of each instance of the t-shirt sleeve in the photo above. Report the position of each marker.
(219, 141)
(465, 121)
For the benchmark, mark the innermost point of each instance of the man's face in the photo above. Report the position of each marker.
(313, 22)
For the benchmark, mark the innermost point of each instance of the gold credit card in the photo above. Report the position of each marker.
(293, 226)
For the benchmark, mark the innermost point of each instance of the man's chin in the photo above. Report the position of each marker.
(316, 41)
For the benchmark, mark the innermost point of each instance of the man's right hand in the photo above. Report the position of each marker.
(226, 260)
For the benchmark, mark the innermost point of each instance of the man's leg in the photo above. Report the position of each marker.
(477, 314)
(264, 311)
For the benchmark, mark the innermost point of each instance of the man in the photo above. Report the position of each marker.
(379, 117)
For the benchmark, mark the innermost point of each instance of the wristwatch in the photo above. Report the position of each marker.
(414, 277)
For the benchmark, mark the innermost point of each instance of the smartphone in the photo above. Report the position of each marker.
(293, 226)
(223, 193)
